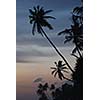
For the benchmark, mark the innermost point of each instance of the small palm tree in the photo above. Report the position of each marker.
(39, 18)
(59, 69)
(43, 87)
(42, 91)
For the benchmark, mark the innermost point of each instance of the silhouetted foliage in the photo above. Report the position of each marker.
(42, 88)
(52, 87)
(77, 75)
(75, 33)
(43, 97)
(69, 91)
(43, 91)
(78, 79)
(39, 17)
(59, 69)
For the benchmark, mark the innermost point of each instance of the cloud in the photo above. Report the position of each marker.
(23, 61)
(40, 79)
(38, 54)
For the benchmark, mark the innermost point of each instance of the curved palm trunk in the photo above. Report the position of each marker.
(66, 62)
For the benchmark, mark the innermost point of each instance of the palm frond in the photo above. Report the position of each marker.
(41, 9)
(55, 74)
(63, 64)
(35, 9)
(74, 50)
(74, 55)
(30, 16)
(38, 7)
(33, 28)
(78, 10)
(55, 63)
(53, 71)
(64, 67)
(49, 17)
(60, 75)
(39, 29)
(52, 87)
(31, 12)
(39, 91)
(68, 38)
(40, 86)
(48, 25)
(45, 87)
(64, 32)
(48, 11)
(31, 21)
(53, 68)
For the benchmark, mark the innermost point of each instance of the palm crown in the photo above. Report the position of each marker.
(39, 17)
(59, 69)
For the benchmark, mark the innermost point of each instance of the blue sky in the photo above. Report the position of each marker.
(27, 44)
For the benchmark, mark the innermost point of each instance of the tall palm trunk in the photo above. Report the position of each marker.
(66, 62)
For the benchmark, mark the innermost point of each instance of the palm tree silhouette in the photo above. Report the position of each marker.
(39, 17)
(43, 91)
(59, 69)
(75, 33)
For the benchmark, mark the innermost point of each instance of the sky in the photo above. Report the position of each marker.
(34, 55)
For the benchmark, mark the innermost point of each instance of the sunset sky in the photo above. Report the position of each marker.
(34, 55)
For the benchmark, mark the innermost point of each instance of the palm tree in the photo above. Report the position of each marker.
(75, 33)
(72, 35)
(42, 88)
(59, 69)
(42, 91)
(39, 17)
